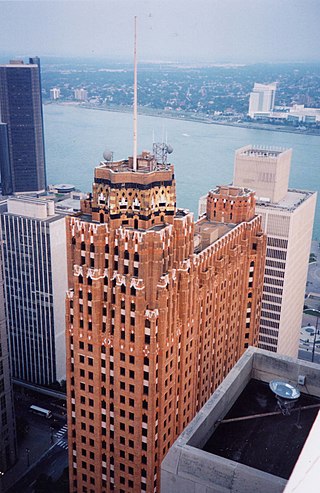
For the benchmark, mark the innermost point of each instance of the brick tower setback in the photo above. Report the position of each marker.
(159, 309)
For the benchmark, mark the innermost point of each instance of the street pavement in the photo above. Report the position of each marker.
(40, 440)
(53, 463)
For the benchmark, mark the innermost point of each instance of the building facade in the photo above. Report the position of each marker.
(8, 452)
(159, 309)
(21, 110)
(287, 219)
(5, 171)
(54, 93)
(81, 94)
(262, 98)
(35, 275)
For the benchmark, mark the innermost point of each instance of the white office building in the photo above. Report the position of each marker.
(54, 93)
(262, 98)
(81, 94)
(287, 218)
(35, 276)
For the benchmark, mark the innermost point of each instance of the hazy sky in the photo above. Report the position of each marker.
(203, 30)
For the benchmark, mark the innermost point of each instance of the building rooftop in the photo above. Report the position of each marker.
(207, 232)
(252, 454)
(261, 151)
(293, 199)
(231, 191)
(269, 442)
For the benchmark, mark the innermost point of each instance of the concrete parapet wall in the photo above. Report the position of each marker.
(189, 469)
(267, 366)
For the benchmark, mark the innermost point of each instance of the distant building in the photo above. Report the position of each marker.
(287, 219)
(35, 275)
(262, 99)
(8, 452)
(245, 439)
(295, 115)
(21, 111)
(54, 93)
(81, 94)
(159, 309)
(265, 170)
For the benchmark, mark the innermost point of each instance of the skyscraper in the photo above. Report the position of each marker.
(8, 452)
(262, 98)
(21, 110)
(35, 275)
(5, 160)
(159, 309)
(287, 219)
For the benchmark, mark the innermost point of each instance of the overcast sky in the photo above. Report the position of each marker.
(176, 30)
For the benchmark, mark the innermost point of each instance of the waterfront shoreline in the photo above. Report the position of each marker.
(188, 117)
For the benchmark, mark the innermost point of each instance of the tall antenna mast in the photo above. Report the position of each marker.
(135, 98)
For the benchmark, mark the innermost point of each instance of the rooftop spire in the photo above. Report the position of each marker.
(135, 98)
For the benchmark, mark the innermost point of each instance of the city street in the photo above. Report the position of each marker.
(52, 464)
(307, 355)
(42, 448)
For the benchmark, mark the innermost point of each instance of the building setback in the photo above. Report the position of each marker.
(35, 275)
(159, 309)
(287, 219)
(21, 110)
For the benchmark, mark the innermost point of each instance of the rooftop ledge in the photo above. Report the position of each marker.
(211, 454)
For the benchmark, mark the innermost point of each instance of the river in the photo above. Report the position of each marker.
(203, 153)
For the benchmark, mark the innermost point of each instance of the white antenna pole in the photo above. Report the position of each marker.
(135, 98)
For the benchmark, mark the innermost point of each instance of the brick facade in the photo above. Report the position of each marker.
(158, 311)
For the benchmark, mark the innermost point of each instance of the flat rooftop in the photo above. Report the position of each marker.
(270, 442)
(255, 454)
(293, 199)
(261, 151)
(207, 232)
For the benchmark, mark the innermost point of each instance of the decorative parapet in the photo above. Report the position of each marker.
(152, 314)
(77, 270)
(163, 281)
(138, 284)
(185, 265)
(95, 274)
(70, 294)
(120, 279)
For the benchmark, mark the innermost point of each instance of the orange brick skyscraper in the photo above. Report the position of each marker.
(158, 311)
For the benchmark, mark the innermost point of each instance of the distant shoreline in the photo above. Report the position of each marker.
(188, 117)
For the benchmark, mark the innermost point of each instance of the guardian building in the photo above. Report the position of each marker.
(159, 309)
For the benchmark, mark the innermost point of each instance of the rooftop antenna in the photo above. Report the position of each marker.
(135, 98)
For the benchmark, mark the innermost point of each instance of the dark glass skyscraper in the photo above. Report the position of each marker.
(21, 110)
